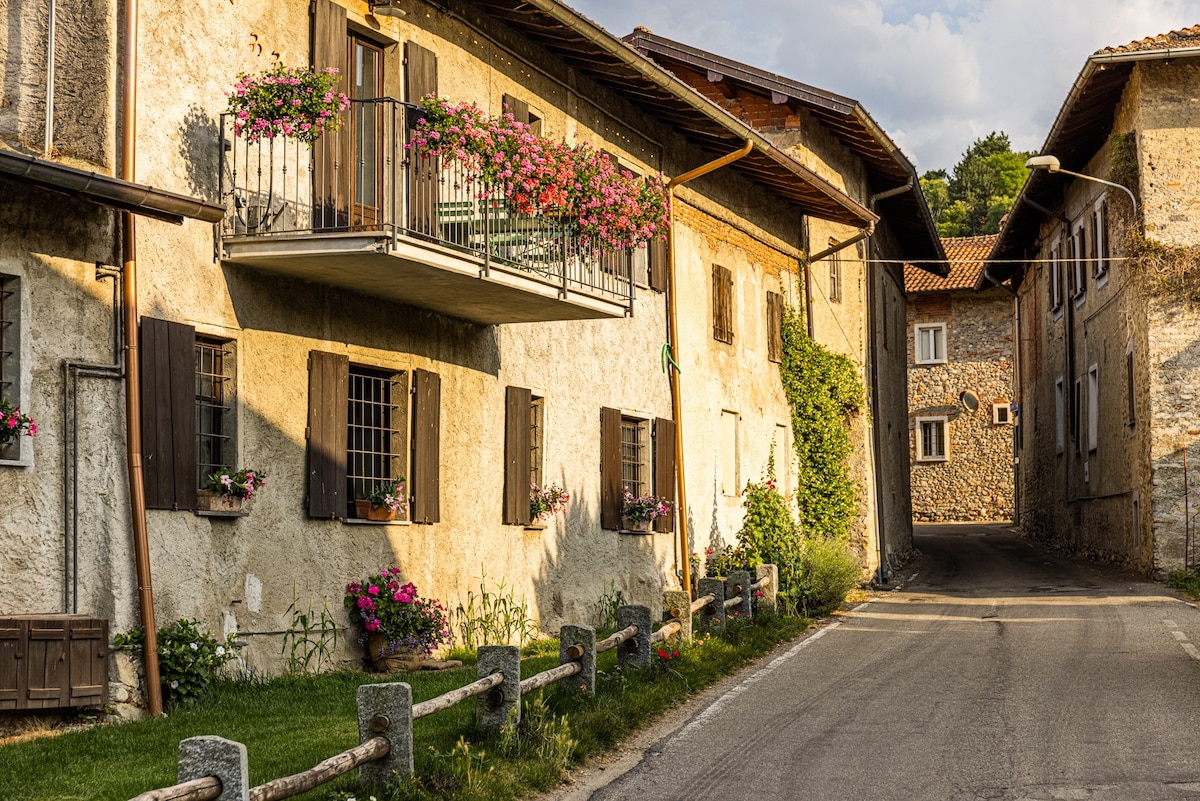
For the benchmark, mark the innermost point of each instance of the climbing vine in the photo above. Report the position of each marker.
(823, 389)
(1171, 271)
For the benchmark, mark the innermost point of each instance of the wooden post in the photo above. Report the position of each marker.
(386, 710)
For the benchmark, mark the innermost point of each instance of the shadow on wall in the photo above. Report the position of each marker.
(199, 138)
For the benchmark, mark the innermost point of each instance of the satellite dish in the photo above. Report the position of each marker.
(970, 401)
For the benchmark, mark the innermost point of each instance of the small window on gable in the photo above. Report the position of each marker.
(929, 342)
(932, 443)
(1001, 414)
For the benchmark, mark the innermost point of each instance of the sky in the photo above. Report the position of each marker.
(935, 74)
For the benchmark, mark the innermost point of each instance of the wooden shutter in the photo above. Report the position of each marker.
(664, 469)
(328, 401)
(517, 403)
(331, 174)
(427, 392)
(518, 108)
(48, 673)
(88, 641)
(13, 637)
(775, 326)
(421, 79)
(168, 383)
(610, 469)
(658, 263)
(722, 288)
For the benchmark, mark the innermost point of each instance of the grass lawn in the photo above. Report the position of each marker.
(290, 724)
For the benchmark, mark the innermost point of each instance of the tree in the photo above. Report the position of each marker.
(981, 190)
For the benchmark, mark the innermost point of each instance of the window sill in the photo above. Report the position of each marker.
(358, 521)
(633, 533)
(534, 527)
(15, 463)
(932, 459)
(930, 361)
(204, 513)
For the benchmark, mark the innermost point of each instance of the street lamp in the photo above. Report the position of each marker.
(1051, 164)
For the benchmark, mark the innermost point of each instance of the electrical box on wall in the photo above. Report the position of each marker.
(53, 661)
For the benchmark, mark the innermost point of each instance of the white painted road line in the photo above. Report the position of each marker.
(1182, 639)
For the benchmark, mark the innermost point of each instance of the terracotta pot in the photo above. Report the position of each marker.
(363, 510)
(383, 662)
(641, 526)
(208, 501)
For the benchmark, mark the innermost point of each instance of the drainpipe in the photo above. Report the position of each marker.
(133, 389)
(673, 342)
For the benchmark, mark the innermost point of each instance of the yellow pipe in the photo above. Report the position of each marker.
(673, 341)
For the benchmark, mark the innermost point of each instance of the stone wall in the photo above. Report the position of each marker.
(975, 482)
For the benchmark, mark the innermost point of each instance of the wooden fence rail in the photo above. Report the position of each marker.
(216, 769)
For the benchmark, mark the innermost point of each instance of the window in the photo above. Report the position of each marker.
(1093, 407)
(215, 442)
(637, 454)
(932, 443)
(930, 343)
(1059, 417)
(10, 354)
(1056, 275)
(722, 283)
(1001, 414)
(835, 276)
(367, 425)
(1079, 260)
(774, 327)
(1077, 415)
(523, 433)
(376, 431)
(1131, 410)
(1100, 242)
(730, 484)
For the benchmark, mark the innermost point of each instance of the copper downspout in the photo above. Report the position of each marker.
(673, 342)
(133, 387)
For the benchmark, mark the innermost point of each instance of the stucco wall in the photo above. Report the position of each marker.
(975, 482)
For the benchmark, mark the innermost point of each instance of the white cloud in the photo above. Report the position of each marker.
(936, 74)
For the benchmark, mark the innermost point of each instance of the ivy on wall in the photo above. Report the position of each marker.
(823, 389)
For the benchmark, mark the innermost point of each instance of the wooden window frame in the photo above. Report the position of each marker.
(722, 293)
(918, 328)
(216, 420)
(774, 327)
(835, 276)
(943, 424)
(1079, 261)
(661, 456)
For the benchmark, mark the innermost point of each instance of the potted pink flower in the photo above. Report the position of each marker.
(639, 513)
(227, 489)
(13, 423)
(399, 628)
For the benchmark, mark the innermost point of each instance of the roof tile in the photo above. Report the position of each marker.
(1184, 37)
(965, 253)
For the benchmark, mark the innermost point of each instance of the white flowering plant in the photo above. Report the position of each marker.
(188, 658)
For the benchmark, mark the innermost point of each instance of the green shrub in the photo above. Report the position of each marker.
(1186, 580)
(829, 570)
(188, 659)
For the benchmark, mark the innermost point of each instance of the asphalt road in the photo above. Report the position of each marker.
(997, 671)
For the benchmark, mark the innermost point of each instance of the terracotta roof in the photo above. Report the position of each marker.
(965, 253)
(1185, 37)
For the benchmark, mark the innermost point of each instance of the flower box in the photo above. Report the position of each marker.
(363, 510)
(208, 501)
(636, 526)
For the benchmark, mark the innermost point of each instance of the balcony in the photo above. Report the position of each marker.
(356, 211)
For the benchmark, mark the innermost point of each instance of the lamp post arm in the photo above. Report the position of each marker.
(1122, 187)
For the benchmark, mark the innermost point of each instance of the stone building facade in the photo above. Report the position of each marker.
(295, 319)
(960, 385)
(854, 294)
(1107, 337)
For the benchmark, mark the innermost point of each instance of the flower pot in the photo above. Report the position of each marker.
(363, 510)
(208, 501)
(639, 526)
(401, 659)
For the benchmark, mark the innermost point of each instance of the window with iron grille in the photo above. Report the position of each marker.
(215, 444)
(535, 440)
(10, 352)
(635, 466)
(722, 279)
(376, 431)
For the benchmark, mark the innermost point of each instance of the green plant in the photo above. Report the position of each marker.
(236, 483)
(1122, 153)
(13, 424)
(644, 509)
(546, 501)
(1186, 580)
(769, 534)
(823, 390)
(188, 659)
(829, 570)
(294, 102)
(388, 495)
(310, 639)
(604, 611)
(540, 734)
(492, 618)
(720, 563)
(385, 606)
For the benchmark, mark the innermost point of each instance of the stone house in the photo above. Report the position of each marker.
(337, 328)
(853, 279)
(1107, 316)
(960, 384)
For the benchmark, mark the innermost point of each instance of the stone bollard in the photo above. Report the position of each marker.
(677, 608)
(502, 704)
(738, 583)
(385, 710)
(215, 756)
(713, 615)
(770, 593)
(635, 650)
(579, 640)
